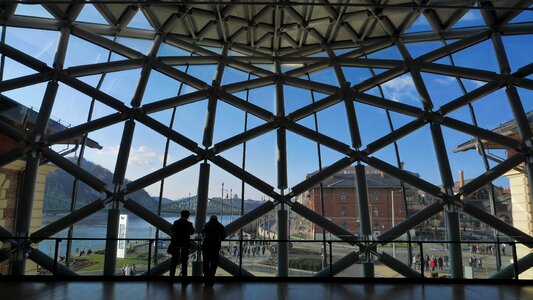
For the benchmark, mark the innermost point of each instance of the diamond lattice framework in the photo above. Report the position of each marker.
(297, 41)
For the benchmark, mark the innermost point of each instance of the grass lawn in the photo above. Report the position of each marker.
(98, 260)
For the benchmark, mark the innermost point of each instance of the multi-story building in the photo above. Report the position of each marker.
(338, 201)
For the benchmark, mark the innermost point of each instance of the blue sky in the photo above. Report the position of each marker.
(147, 151)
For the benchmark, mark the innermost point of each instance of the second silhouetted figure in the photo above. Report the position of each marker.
(213, 234)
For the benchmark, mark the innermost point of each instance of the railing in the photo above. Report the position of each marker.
(305, 257)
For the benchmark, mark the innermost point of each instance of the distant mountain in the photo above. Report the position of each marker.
(59, 187)
(215, 205)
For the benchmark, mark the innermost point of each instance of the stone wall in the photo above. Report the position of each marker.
(9, 189)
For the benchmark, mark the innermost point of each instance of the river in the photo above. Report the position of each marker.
(95, 226)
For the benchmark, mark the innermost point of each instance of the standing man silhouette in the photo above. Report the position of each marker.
(213, 234)
(180, 242)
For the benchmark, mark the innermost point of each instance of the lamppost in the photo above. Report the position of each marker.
(392, 204)
(393, 223)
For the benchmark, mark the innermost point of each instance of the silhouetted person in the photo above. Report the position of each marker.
(180, 241)
(213, 234)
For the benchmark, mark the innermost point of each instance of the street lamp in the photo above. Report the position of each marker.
(392, 204)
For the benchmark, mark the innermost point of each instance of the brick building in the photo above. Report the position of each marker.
(341, 203)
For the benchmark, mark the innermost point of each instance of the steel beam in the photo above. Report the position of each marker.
(525, 263)
(243, 137)
(249, 217)
(67, 221)
(315, 107)
(492, 174)
(110, 258)
(41, 124)
(189, 60)
(159, 269)
(249, 68)
(92, 92)
(283, 245)
(454, 236)
(105, 67)
(365, 230)
(388, 104)
(249, 84)
(328, 225)
(394, 136)
(492, 136)
(24, 81)
(24, 209)
(461, 44)
(411, 222)
(499, 225)
(245, 105)
(12, 132)
(398, 266)
(84, 128)
(202, 198)
(169, 133)
(368, 62)
(381, 78)
(179, 75)
(10, 156)
(49, 264)
(210, 116)
(318, 137)
(175, 101)
(245, 176)
(310, 85)
(61, 51)
(340, 265)
(24, 58)
(148, 216)
(101, 41)
(161, 174)
(320, 176)
(123, 152)
(517, 108)
(405, 177)
(74, 170)
(232, 268)
(471, 97)
(462, 72)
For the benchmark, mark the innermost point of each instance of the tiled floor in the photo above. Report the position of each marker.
(158, 290)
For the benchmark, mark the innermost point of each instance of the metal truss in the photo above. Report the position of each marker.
(284, 42)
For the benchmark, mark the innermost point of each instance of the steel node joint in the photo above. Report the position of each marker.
(433, 117)
(206, 154)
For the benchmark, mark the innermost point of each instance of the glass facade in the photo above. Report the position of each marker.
(349, 140)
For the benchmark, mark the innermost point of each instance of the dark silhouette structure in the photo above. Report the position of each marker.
(213, 234)
(182, 230)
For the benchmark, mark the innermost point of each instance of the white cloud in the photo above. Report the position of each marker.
(143, 156)
(401, 89)
(444, 80)
(142, 159)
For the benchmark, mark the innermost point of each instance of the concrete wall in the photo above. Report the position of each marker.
(522, 211)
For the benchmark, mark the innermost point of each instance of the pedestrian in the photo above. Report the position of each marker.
(133, 270)
(213, 234)
(127, 270)
(440, 261)
(180, 241)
